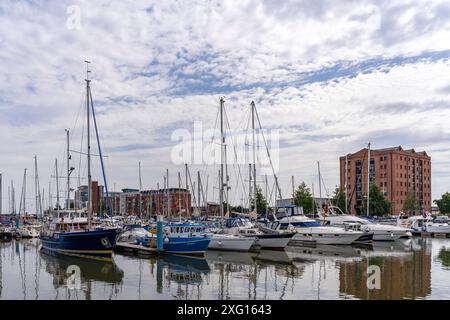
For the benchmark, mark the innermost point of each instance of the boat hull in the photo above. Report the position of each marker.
(193, 246)
(326, 238)
(274, 241)
(92, 244)
(227, 243)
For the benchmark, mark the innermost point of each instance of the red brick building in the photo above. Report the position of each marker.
(167, 202)
(396, 171)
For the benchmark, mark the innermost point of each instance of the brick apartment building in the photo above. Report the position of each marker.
(167, 202)
(396, 171)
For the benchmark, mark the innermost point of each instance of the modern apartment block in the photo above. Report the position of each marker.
(396, 171)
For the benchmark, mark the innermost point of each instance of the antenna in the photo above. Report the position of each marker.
(87, 68)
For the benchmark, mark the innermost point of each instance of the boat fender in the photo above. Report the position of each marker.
(106, 243)
(166, 240)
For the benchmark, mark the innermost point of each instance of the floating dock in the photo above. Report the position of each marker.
(136, 248)
(431, 234)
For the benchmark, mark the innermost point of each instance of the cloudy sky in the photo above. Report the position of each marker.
(327, 76)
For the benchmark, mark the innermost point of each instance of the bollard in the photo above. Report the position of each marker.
(159, 234)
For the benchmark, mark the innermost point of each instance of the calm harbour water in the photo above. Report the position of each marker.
(411, 269)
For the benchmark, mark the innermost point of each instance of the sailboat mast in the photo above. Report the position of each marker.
(346, 184)
(36, 187)
(199, 183)
(187, 187)
(68, 171)
(88, 125)
(169, 213)
(1, 193)
(24, 192)
(254, 154)
(57, 185)
(368, 177)
(179, 193)
(140, 192)
(320, 181)
(222, 140)
(13, 200)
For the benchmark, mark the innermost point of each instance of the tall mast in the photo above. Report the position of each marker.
(13, 200)
(254, 153)
(1, 194)
(368, 177)
(25, 192)
(169, 213)
(313, 202)
(199, 183)
(140, 192)
(222, 143)
(88, 143)
(36, 187)
(50, 202)
(179, 193)
(266, 193)
(346, 183)
(68, 171)
(249, 187)
(9, 200)
(57, 185)
(320, 181)
(293, 187)
(187, 188)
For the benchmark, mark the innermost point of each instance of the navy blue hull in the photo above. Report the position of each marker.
(98, 243)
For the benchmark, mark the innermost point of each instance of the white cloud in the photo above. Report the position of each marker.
(161, 65)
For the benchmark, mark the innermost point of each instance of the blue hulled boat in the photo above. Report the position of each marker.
(177, 241)
(70, 235)
(70, 232)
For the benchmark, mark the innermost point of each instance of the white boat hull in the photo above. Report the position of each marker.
(383, 235)
(438, 229)
(27, 233)
(273, 242)
(224, 242)
(323, 236)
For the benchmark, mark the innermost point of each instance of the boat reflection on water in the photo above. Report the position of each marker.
(444, 257)
(64, 268)
(186, 270)
(311, 253)
(405, 272)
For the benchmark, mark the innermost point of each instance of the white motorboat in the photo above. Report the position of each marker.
(381, 232)
(422, 224)
(220, 239)
(309, 230)
(266, 240)
(132, 235)
(230, 242)
(28, 231)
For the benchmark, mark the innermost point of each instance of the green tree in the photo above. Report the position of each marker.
(338, 199)
(302, 197)
(444, 203)
(261, 202)
(411, 205)
(378, 205)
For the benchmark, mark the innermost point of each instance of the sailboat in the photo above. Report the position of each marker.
(25, 230)
(71, 233)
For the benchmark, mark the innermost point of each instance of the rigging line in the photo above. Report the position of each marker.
(108, 200)
(204, 168)
(268, 153)
(81, 146)
(235, 151)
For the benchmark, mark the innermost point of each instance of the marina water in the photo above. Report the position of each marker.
(412, 269)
